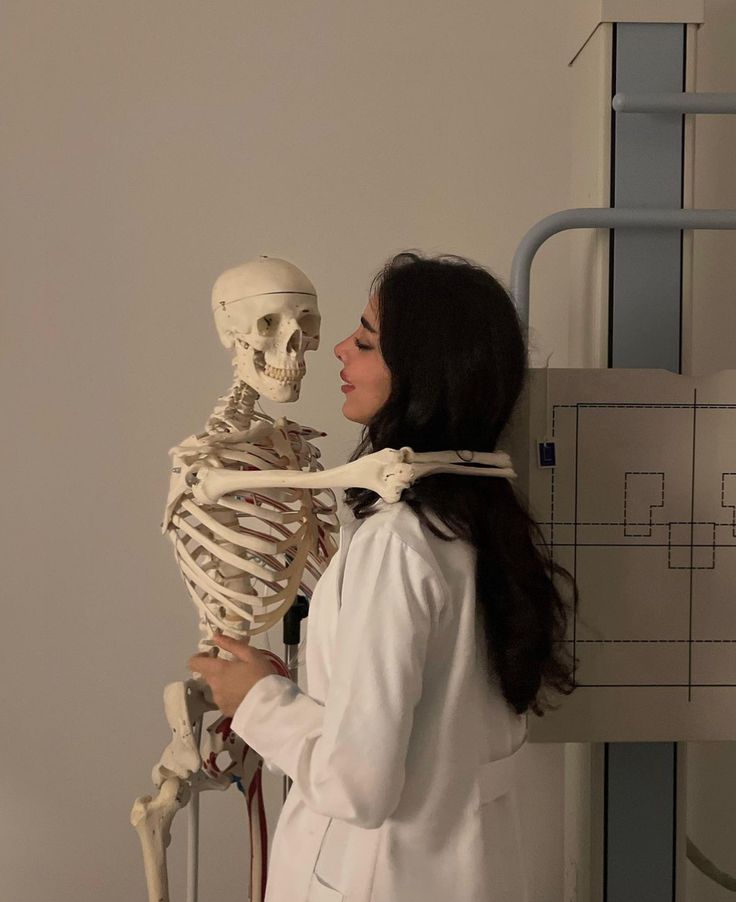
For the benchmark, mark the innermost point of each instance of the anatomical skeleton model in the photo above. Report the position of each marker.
(224, 541)
(244, 559)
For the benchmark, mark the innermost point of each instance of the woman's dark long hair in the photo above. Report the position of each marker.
(453, 343)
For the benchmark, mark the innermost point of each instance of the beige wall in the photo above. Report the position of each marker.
(147, 147)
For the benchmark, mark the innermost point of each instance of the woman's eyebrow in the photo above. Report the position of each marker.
(367, 325)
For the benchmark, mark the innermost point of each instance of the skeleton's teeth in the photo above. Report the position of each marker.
(293, 374)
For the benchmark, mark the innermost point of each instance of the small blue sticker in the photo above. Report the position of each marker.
(546, 451)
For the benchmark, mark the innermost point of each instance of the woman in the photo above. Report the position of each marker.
(433, 631)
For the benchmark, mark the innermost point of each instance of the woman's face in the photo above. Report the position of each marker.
(366, 376)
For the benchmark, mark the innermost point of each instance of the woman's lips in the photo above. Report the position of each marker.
(346, 388)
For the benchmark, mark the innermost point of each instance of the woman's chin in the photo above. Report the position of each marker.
(351, 414)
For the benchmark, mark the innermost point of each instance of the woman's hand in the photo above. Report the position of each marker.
(231, 681)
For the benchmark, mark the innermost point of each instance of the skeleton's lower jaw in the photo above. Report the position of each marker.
(281, 391)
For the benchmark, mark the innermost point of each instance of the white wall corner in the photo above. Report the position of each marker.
(587, 15)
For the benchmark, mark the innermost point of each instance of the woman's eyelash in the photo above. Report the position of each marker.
(362, 347)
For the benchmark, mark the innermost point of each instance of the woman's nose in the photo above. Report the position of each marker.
(338, 349)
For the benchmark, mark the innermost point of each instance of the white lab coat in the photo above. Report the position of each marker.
(401, 751)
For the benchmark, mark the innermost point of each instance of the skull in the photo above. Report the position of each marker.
(267, 310)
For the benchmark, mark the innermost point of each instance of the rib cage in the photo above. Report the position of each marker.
(245, 559)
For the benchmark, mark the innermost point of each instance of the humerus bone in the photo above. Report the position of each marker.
(387, 472)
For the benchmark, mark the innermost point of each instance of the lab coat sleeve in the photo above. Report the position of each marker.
(347, 757)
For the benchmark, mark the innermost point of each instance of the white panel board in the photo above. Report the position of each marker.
(641, 507)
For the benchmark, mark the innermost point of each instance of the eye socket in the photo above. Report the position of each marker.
(264, 324)
(309, 325)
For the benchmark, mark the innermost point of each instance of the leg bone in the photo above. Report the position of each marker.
(152, 818)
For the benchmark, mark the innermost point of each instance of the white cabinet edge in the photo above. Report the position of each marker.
(589, 14)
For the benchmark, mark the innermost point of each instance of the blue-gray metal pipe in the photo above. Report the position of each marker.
(601, 218)
(674, 103)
